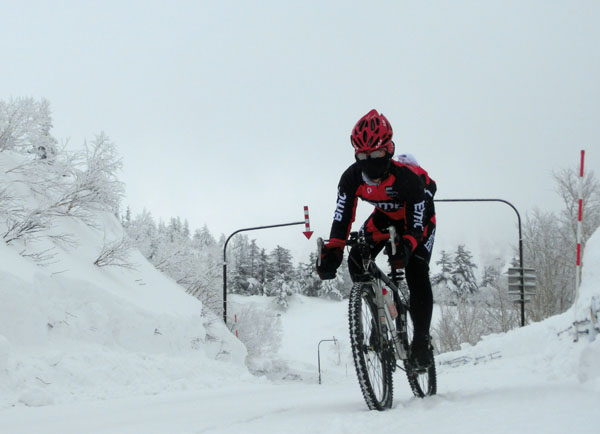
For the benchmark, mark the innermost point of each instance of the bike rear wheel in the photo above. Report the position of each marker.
(373, 360)
(422, 381)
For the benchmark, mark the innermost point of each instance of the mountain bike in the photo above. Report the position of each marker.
(381, 329)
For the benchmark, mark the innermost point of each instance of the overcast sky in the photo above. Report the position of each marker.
(238, 113)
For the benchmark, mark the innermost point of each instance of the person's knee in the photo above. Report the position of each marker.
(417, 278)
(417, 267)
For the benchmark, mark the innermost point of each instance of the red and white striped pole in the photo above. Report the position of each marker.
(307, 233)
(579, 223)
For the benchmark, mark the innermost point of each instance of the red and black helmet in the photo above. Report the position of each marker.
(372, 132)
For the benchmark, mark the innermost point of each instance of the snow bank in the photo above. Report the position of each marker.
(588, 296)
(548, 350)
(586, 311)
(70, 330)
(306, 322)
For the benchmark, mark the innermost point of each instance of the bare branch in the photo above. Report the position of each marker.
(116, 254)
(43, 258)
(30, 226)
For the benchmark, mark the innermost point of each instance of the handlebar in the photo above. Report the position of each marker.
(357, 238)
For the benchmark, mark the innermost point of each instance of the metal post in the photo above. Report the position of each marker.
(319, 353)
(225, 258)
(522, 300)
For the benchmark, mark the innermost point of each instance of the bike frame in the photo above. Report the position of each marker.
(389, 334)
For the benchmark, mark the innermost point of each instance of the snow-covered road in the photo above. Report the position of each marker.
(328, 408)
(530, 380)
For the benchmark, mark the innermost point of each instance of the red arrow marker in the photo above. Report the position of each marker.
(307, 233)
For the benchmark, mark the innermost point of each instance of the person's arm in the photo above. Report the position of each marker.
(345, 210)
(332, 253)
(415, 211)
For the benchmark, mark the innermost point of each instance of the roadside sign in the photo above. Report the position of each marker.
(521, 280)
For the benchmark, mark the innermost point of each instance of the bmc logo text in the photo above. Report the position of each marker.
(429, 243)
(386, 206)
(339, 206)
(419, 215)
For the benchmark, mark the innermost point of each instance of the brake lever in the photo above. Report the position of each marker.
(320, 244)
(392, 231)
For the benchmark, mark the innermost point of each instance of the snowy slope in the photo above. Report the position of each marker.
(71, 331)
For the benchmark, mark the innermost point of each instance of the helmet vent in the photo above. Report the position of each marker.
(372, 132)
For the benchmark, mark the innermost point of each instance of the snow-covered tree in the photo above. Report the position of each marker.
(193, 263)
(445, 262)
(345, 285)
(502, 314)
(546, 252)
(25, 126)
(280, 275)
(203, 238)
(143, 232)
(260, 331)
(280, 264)
(443, 286)
(333, 288)
(464, 322)
(76, 184)
(237, 257)
(279, 288)
(567, 186)
(491, 275)
(308, 278)
(549, 242)
(462, 273)
(253, 259)
(248, 276)
(262, 267)
(209, 278)
(90, 181)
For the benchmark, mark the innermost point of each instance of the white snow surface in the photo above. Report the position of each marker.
(104, 350)
(71, 331)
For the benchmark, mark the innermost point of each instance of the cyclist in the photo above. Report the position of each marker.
(402, 194)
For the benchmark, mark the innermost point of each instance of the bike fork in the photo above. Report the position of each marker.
(386, 318)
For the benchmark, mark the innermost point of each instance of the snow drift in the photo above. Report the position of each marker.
(70, 330)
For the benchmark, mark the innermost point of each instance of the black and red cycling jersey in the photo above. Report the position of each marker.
(430, 190)
(405, 196)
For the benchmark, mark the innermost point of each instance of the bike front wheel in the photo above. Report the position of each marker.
(373, 358)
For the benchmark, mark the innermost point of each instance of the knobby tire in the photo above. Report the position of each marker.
(423, 382)
(374, 364)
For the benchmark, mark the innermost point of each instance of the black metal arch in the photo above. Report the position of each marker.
(225, 258)
(522, 300)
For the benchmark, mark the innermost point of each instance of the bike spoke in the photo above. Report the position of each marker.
(374, 366)
(373, 359)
